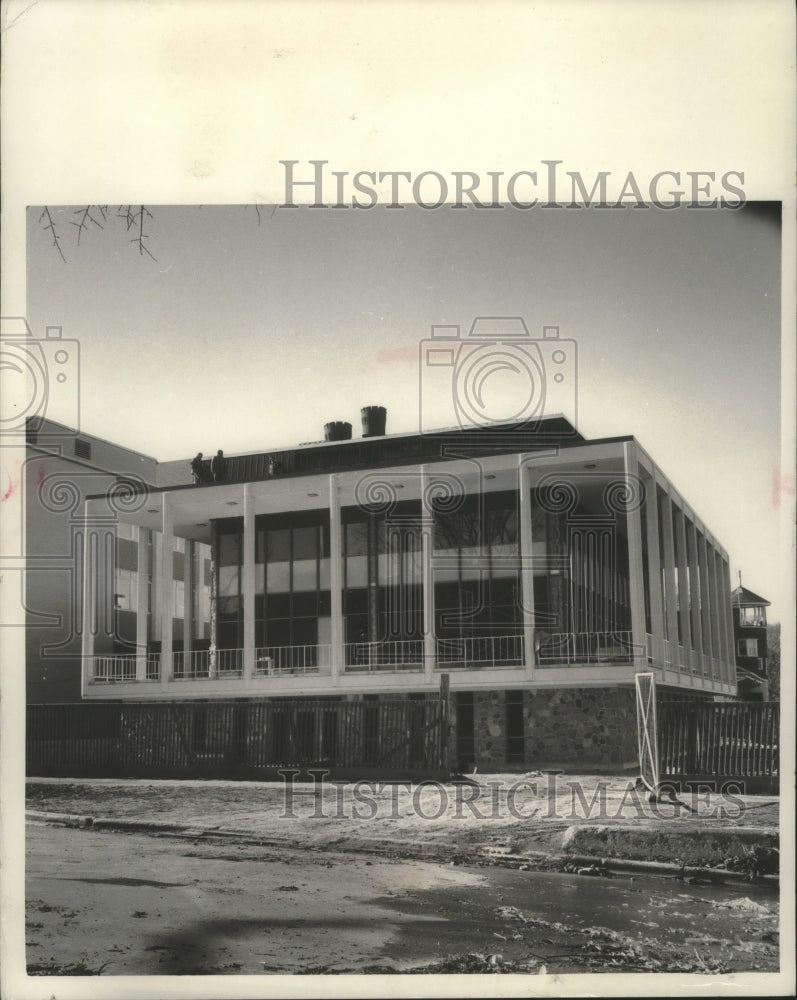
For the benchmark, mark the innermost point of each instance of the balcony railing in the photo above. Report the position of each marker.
(398, 655)
(198, 664)
(480, 652)
(282, 660)
(122, 667)
(585, 648)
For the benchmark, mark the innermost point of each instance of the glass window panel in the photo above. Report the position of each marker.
(357, 539)
(305, 632)
(228, 581)
(229, 549)
(278, 545)
(356, 571)
(305, 575)
(278, 577)
(278, 632)
(387, 571)
(305, 542)
(471, 568)
(305, 604)
(278, 605)
(229, 606)
(356, 601)
(413, 567)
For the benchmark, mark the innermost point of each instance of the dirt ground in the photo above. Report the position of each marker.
(502, 813)
(109, 903)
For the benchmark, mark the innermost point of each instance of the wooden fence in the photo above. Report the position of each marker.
(720, 742)
(239, 739)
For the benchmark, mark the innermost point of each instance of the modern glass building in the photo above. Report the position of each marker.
(539, 570)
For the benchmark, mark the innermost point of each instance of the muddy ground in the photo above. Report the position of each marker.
(110, 903)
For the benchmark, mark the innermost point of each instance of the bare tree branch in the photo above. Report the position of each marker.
(49, 226)
(85, 218)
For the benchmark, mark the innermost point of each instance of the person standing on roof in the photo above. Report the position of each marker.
(218, 466)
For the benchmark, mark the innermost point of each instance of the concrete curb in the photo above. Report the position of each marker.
(428, 852)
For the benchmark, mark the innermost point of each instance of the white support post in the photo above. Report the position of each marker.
(526, 566)
(336, 631)
(707, 605)
(427, 541)
(665, 518)
(635, 568)
(683, 581)
(166, 592)
(89, 617)
(654, 572)
(142, 601)
(716, 608)
(695, 589)
(189, 597)
(248, 583)
(726, 628)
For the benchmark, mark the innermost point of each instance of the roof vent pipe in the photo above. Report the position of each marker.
(337, 430)
(374, 421)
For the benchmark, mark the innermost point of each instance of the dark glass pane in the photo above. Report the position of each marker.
(278, 545)
(278, 632)
(357, 539)
(356, 601)
(229, 549)
(278, 605)
(305, 632)
(229, 606)
(305, 543)
(305, 603)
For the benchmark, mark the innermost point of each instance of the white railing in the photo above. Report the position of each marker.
(480, 652)
(122, 667)
(198, 664)
(393, 655)
(280, 660)
(584, 648)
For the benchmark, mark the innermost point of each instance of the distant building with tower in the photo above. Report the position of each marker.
(750, 642)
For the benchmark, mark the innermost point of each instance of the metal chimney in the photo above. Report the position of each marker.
(374, 421)
(337, 430)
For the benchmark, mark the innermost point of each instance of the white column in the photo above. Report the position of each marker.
(707, 602)
(683, 582)
(716, 608)
(166, 592)
(89, 604)
(336, 632)
(189, 597)
(526, 566)
(654, 570)
(427, 552)
(635, 570)
(665, 517)
(726, 628)
(142, 601)
(695, 587)
(248, 582)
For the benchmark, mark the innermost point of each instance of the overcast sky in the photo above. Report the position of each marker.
(250, 332)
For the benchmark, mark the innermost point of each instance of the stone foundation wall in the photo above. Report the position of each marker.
(581, 726)
(574, 727)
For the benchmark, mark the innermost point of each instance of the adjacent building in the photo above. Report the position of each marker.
(750, 641)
